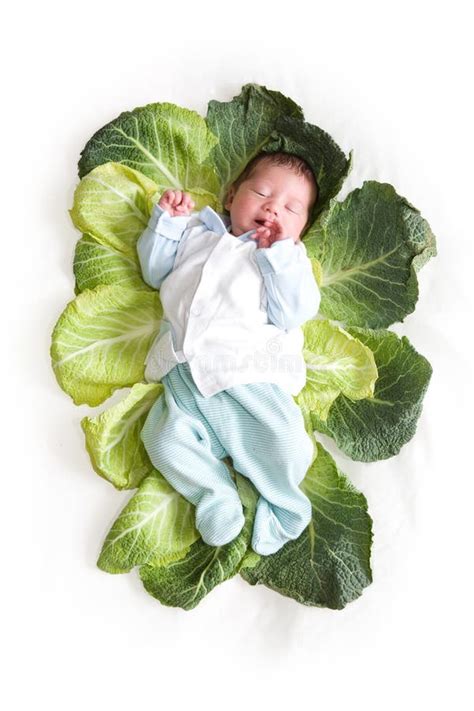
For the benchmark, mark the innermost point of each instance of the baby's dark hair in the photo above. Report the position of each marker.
(287, 160)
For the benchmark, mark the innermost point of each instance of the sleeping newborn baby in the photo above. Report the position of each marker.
(229, 352)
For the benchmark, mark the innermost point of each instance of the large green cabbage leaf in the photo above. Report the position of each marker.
(186, 581)
(155, 527)
(368, 247)
(243, 127)
(259, 120)
(101, 340)
(377, 428)
(329, 564)
(167, 143)
(112, 203)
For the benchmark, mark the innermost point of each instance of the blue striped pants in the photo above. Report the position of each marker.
(261, 428)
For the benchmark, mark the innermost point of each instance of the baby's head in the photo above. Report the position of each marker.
(273, 186)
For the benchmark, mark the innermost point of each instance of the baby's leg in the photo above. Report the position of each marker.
(263, 431)
(180, 447)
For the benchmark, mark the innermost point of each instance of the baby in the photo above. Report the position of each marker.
(229, 352)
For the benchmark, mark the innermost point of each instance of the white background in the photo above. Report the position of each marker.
(390, 81)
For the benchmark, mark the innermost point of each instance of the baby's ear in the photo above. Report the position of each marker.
(229, 197)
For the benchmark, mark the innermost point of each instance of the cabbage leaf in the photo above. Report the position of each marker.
(260, 120)
(155, 527)
(101, 340)
(186, 581)
(112, 203)
(378, 427)
(167, 143)
(113, 438)
(368, 247)
(97, 264)
(335, 363)
(329, 564)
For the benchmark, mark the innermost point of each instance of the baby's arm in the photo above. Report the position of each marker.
(292, 293)
(157, 246)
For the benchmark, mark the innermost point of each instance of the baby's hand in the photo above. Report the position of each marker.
(268, 233)
(176, 203)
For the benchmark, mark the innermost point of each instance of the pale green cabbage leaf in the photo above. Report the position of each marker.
(98, 264)
(112, 203)
(101, 340)
(155, 527)
(113, 438)
(335, 363)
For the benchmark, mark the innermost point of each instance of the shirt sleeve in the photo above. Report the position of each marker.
(158, 244)
(292, 293)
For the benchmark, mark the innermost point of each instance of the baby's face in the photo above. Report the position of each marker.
(272, 192)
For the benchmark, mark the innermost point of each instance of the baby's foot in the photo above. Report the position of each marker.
(221, 524)
(271, 540)
(268, 533)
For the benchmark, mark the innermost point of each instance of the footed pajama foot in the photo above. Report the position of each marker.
(221, 524)
(268, 533)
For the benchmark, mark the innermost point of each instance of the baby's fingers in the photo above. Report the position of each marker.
(186, 206)
(166, 198)
(187, 201)
(177, 197)
(277, 230)
(262, 232)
